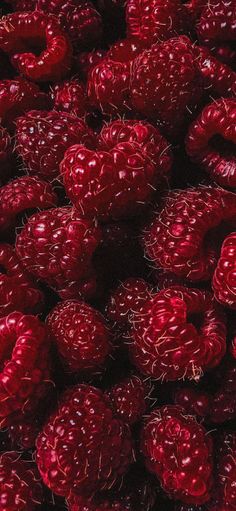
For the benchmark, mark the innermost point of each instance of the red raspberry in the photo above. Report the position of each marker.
(218, 21)
(70, 97)
(126, 301)
(216, 76)
(193, 401)
(56, 246)
(87, 60)
(39, 49)
(167, 345)
(129, 399)
(179, 240)
(81, 336)
(178, 451)
(157, 20)
(17, 97)
(43, 137)
(85, 455)
(108, 184)
(224, 279)
(79, 18)
(21, 194)
(24, 363)
(225, 53)
(21, 489)
(5, 155)
(84, 288)
(216, 120)
(17, 290)
(23, 5)
(166, 83)
(226, 470)
(23, 434)
(125, 50)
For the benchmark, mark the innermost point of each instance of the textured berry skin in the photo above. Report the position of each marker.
(85, 456)
(5, 155)
(80, 19)
(21, 489)
(23, 5)
(157, 20)
(56, 246)
(129, 399)
(224, 491)
(81, 336)
(23, 434)
(125, 50)
(108, 184)
(23, 33)
(194, 402)
(69, 96)
(89, 59)
(24, 363)
(176, 239)
(166, 83)
(218, 21)
(17, 97)
(165, 342)
(21, 194)
(126, 301)
(224, 279)
(43, 137)
(17, 290)
(178, 451)
(218, 118)
(218, 78)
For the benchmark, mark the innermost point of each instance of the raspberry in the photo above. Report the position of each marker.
(88, 60)
(226, 470)
(17, 97)
(86, 455)
(39, 49)
(70, 97)
(177, 239)
(56, 246)
(217, 77)
(23, 434)
(5, 154)
(129, 399)
(193, 401)
(166, 83)
(24, 363)
(23, 5)
(167, 345)
(218, 21)
(81, 336)
(225, 54)
(21, 194)
(216, 120)
(157, 20)
(224, 279)
(18, 292)
(80, 19)
(178, 451)
(43, 137)
(21, 489)
(125, 50)
(108, 184)
(126, 301)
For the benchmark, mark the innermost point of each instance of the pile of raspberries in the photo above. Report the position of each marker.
(118, 255)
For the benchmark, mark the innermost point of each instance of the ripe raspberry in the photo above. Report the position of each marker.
(224, 279)
(81, 336)
(86, 455)
(156, 21)
(126, 301)
(56, 246)
(85, 288)
(70, 97)
(23, 5)
(226, 470)
(167, 345)
(178, 451)
(194, 402)
(17, 97)
(23, 434)
(17, 290)
(225, 53)
(217, 77)
(43, 137)
(21, 194)
(24, 363)
(21, 489)
(39, 49)
(87, 60)
(129, 398)
(125, 50)
(80, 19)
(218, 21)
(217, 120)
(5, 155)
(108, 184)
(179, 240)
(166, 83)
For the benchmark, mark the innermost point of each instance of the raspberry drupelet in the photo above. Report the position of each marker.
(69, 96)
(6, 149)
(217, 21)
(224, 279)
(129, 398)
(218, 78)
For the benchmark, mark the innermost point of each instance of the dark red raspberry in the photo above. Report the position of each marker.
(207, 139)
(225, 53)
(17, 290)
(129, 398)
(23, 5)
(23, 434)
(179, 452)
(79, 18)
(224, 279)
(87, 60)
(167, 345)
(166, 83)
(84, 288)
(218, 21)
(85, 455)
(43, 137)
(176, 239)
(70, 97)
(81, 336)
(39, 49)
(17, 97)
(193, 401)
(22, 194)
(125, 50)
(56, 246)
(21, 488)
(5, 155)
(126, 301)
(217, 77)
(157, 20)
(226, 470)
(24, 363)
